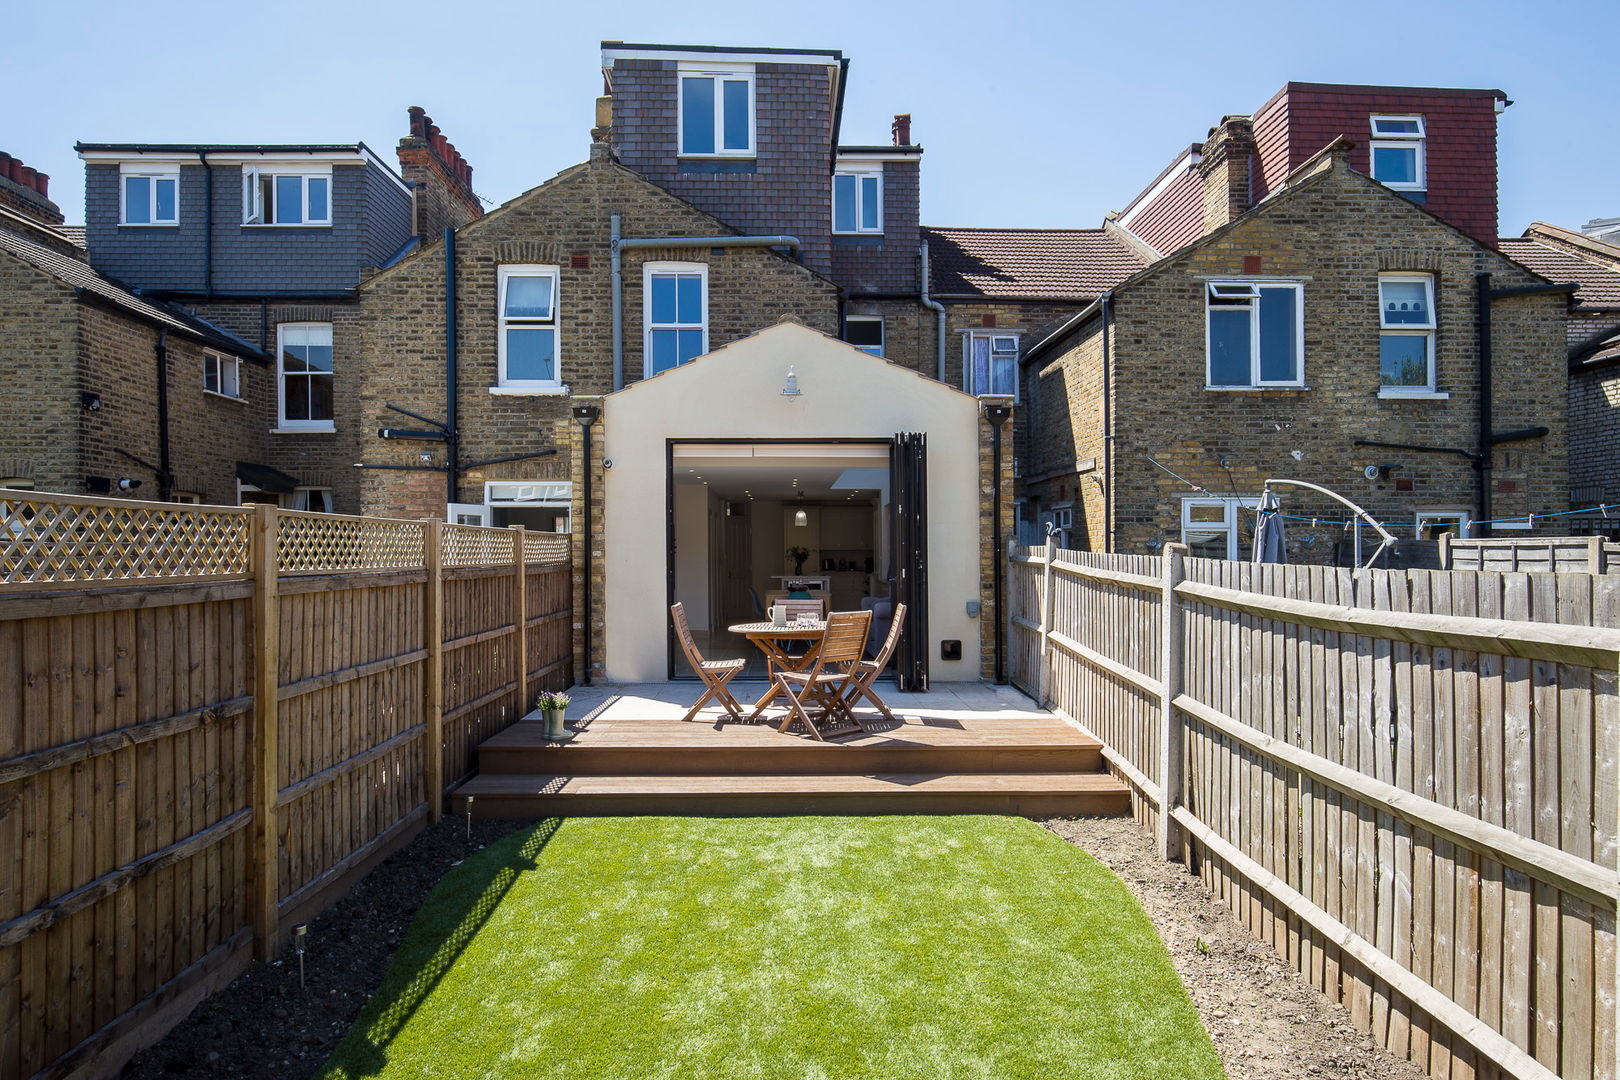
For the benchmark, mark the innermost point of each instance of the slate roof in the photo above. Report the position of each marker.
(79, 275)
(1598, 274)
(74, 233)
(1031, 264)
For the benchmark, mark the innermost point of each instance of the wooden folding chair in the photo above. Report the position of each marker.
(867, 671)
(825, 687)
(714, 673)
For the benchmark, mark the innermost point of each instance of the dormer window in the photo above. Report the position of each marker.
(1397, 152)
(149, 195)
(286, 195)
(858, 200)
(717, 110)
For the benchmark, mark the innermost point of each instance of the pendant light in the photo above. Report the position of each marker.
(800, 518)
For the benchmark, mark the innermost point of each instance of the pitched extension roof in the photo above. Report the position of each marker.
(74, 233)
(1029, 264)
(78, 274)
(1597, 276)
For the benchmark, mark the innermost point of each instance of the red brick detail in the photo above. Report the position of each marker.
(989, 320)
(1251, 264)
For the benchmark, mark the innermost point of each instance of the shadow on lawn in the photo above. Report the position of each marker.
(477, 902)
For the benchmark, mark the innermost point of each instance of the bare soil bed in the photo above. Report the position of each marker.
(1267, 1023)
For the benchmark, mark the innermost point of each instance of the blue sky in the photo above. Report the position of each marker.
(1044, 114)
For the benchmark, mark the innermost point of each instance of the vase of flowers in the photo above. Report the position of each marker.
(552, 706)
(798, 554)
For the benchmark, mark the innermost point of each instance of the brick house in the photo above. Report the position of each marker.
(1594, 360)
(269, 243)
(1267, 348)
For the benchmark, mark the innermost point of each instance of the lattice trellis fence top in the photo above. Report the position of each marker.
(542, 547)
(477, 545)
(314, 542)
(46, 538)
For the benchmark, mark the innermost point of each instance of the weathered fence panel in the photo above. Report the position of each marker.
(141, 854)
(1406, 782)
(1529, 554)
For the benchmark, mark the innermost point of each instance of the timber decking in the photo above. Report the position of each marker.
(963, 749)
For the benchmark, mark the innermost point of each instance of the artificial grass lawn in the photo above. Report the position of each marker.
(780, 947)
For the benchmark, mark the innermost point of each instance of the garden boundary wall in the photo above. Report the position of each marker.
(1406, 781)
(213, 721)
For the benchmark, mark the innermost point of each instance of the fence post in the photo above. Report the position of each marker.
(266, 730)
(1171, 726)
(1594, 554)
(1445, 551)
(1044, 682)
(522, 635)
(433, 628)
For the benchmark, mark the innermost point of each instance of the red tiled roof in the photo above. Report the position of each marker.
(1600, 284)
(1055, 264)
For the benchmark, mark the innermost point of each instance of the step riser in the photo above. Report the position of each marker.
(796, 760)
(534, 807)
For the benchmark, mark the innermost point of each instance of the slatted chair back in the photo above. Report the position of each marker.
(889, 643)
(845, 639)
(683, 632)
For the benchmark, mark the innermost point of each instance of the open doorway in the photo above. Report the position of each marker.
(754, 521)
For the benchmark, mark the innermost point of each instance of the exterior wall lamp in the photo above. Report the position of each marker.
(790, 389)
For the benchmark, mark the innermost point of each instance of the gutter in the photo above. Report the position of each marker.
(939, 308)
(838, 114)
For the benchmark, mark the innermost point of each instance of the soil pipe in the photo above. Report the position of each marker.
(165, 477)
(1482, 463)
(452, 458)
(618, 302)
(937, 307)
(208, 223)
(586, 415)
(997, 415)
(1107, 301)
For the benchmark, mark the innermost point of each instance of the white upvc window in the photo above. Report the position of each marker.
(148, 194)
(188, 498)
(304, 377)
(286, 195)
(1210, 527)
(1255, 334)
(858, 199)
(675, 313)
(222, 374)
(1432, 523)
(990, 363)
(1406, 328)
(865, 332)
(715, 116)
(528, 354)
(1397, 153)
(316, 499)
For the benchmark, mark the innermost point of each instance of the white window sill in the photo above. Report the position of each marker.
(1253, 389)
(225, 397)
(326, 429)
(858, 232)
(530, 391)
(148, 224)
(1413, 395)
(736, 156)
(286, 224)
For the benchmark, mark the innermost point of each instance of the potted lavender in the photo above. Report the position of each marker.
(552, 705)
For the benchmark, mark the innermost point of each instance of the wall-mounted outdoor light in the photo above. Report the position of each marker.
(790, 389)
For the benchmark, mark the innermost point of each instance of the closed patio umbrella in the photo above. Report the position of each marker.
(1270, 545)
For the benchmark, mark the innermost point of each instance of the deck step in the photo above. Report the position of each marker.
(509, 795)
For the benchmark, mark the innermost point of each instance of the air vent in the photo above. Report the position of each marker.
(579, 262)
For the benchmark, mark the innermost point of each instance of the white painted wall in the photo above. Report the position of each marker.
(691, 552)
(735, 392)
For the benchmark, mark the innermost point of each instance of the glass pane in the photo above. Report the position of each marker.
(663, 299)
(294, 358)
(295, 395)
(663, 350)
(1206, 545)
(1279, 345)
(137, 200)
(691, 345)
(320, 397)
(1005, 373)
(317, 198)
(697, 115)
(1395, 164)
(229, 376)
(1207, 512)
(289, 200)
(267, 197)
(869, 202)
(1396, 127)
(1404, 303)
(1229, 347)
(165, 200)
(1403, 360)
(528, 296)
(736, 105)
(979, 366)
(864, 331)
(531, 354)
(844, 204)
(320, 357)
(690, 311)
(211, 374)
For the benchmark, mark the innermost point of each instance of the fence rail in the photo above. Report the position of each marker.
(223, 717)
(1406, 782)
(1550, 554)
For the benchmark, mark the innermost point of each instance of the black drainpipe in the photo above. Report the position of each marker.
(452, 456)
(997, 415)
(208, 225)
(1108, 432)
(165, 478)
(1483, 462)
(586, 415)
(264, 325)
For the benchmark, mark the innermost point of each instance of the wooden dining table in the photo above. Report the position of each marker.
(772, 640)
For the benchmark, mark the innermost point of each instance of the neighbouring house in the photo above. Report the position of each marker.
(1331, 333)
(1593, 264)
(270, 243)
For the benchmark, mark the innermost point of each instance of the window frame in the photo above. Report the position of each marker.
(648, 272)
(151, 172)
(254, 211)
(504, 274)
(301, 426)
(1255, 381)
(882, 334)
(289, 500)
(1416, 141)
(718, 74)
(234, 366)
(1232, 507)
(860, 174)
(1429, 333)
(1429, 517)
(991, 333)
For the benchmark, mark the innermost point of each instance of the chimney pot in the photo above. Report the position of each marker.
(16, 170)
(901, 129)
(42, 184)
(27, 177)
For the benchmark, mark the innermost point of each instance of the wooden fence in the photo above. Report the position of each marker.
(214, 720)
(1549, 554)
(1406, 782)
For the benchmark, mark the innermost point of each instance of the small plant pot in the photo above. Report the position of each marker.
(554, 725)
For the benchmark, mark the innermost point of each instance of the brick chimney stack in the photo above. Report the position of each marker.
(439, 175)
(27, 191)
(901, 129)
(1226, 166)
